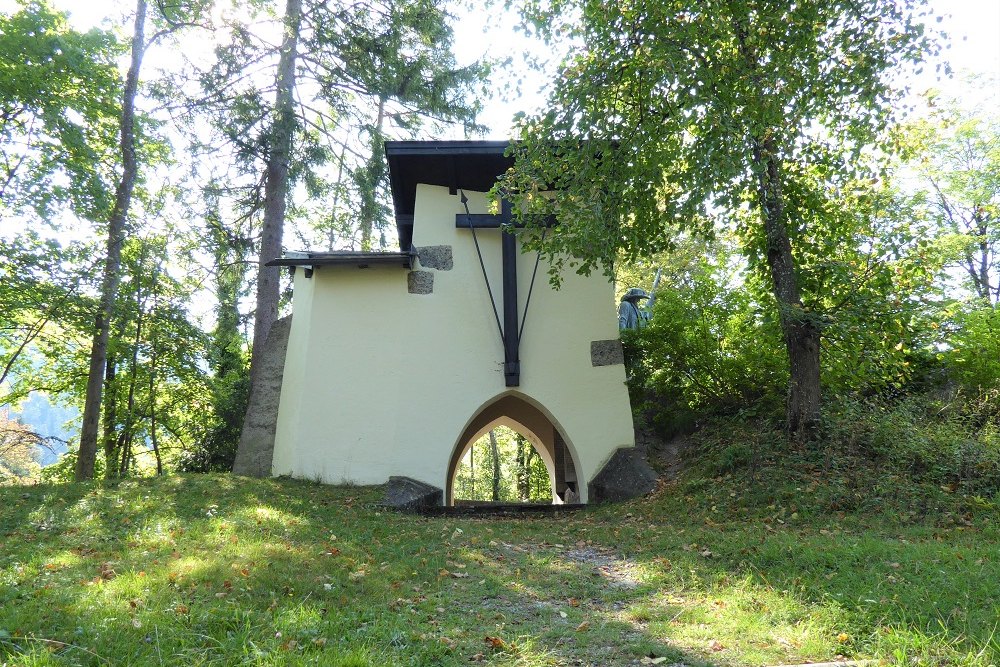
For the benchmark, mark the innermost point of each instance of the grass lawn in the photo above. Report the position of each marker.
(214, 569)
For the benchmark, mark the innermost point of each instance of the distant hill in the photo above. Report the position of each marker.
(57, 424)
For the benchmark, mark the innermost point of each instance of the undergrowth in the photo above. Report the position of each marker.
(920, 456)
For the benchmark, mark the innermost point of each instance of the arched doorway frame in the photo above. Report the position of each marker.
(471, 432)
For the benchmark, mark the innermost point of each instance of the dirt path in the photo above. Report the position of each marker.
(665, 456)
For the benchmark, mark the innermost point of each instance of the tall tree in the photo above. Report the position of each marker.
(669, 109)
(957, 156)
(169, 19)
(116, 235)
(276, 172)
(340, 73)
(344, 78)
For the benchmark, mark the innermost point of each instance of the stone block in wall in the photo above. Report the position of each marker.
(606, 352)
(436, 257)
(420, 282)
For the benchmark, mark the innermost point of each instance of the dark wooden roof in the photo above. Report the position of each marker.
(467, 165)
(345, 258)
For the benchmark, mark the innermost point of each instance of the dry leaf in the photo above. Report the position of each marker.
(583, 627)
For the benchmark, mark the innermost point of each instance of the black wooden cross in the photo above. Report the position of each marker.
(508, 244)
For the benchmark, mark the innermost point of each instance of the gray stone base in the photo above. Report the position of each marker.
(625, 475)
(256, 448)
(404, 493)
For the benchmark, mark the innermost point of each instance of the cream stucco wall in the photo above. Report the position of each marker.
(382, 382)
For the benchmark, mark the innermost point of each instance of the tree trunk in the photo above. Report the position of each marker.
(128, 428)
(524, 456)
(495, 453)
(374, 172)
(276, 185)
(152, 380)
(800, 331)
(112, 267)
(110, 400)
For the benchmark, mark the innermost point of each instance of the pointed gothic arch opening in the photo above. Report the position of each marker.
(522, 415)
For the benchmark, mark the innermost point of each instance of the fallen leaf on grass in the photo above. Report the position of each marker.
(583, 626)
(495, 643)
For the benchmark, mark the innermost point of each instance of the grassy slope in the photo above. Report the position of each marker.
(220, 570)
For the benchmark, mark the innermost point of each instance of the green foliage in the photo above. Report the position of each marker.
(869, 269)
(45, 313)
(665, 108)
(215, 450)
(59, 93)
(710, 347)
(948, 440)
(955, 154)
(973, 356)
(364, 73)
(227, 356)
(523, 475)
(920, 453)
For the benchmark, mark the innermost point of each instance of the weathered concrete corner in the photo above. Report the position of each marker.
(625, 475)
(405, 493)
(436, 257)
(606, 352)
(256, 448)
(420, 282)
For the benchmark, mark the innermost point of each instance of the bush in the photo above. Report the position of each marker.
(709, 349)
(950, 440)
(974, 357)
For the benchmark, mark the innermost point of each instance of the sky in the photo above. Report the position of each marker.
(973, 27)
